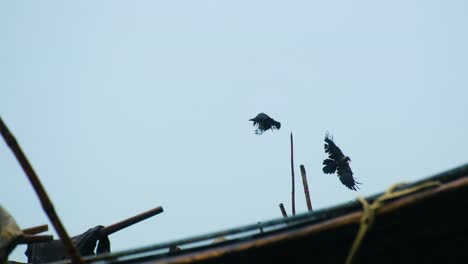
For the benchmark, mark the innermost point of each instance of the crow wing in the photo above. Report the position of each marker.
(346, 177)
(330, 166)
(275, 124)
(333, 151)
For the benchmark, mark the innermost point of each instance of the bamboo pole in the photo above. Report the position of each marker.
(306, 188)
(283, 211)
(46, 203)
(130, 221)
(292, 177)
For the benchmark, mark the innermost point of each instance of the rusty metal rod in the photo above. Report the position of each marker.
(29, 239)
(46, 203)
(130, 221)
(35, 230)
(283, 211)
(306, 188)
(292, 177)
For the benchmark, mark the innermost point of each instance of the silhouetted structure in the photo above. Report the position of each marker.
(424, 226)
(55, 251)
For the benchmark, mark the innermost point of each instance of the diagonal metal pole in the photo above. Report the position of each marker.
(41, 193)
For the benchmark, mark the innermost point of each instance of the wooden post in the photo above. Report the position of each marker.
(306, 188)
(283, 211)
(46, 203)
(292, 177)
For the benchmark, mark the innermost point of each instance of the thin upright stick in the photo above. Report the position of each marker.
(292, 177)
(283, 211)
(306, 188)
(46, 203)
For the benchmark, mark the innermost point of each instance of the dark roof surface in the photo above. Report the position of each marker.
(429, 225)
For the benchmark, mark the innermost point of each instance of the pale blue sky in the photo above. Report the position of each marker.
(122, 106)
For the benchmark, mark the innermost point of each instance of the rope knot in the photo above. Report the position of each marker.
(370, 211)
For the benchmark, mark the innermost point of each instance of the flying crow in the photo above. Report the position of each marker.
(337, 161)
(264, 122)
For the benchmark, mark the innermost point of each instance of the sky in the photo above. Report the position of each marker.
(122, 106)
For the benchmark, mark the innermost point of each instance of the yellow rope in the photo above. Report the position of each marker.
(369, 211)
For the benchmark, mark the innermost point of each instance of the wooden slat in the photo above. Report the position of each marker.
(35, 230)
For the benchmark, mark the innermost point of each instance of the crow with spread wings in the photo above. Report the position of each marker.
(264, 122)
(338, 162)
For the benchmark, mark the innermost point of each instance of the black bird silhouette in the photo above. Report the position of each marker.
(337, 161)
(264, 122)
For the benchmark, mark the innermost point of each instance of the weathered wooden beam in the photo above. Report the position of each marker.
(46, 203)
